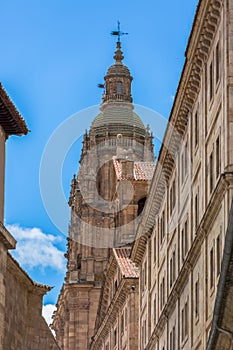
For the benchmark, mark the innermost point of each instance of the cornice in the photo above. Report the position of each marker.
(6, 238)
(16, 270)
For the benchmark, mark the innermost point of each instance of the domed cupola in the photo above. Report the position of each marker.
(117, 81)
(116, 111)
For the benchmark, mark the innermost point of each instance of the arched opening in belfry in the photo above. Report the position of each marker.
(141, 204)
(119, 87)
(79, 261)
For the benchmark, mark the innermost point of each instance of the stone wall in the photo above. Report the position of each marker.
(25, 328)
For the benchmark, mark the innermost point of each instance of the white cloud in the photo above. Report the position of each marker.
(47, 312)
(36, 248)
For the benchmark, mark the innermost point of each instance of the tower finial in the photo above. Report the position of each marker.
(118, 54)
(118, 32)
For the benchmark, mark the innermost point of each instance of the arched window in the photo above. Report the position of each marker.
(119, 87)
(141, 204)
(79, 259)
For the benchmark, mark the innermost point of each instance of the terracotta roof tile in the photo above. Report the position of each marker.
(127, 267)
(142, 171)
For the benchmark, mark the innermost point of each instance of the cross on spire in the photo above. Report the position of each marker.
(118, 32)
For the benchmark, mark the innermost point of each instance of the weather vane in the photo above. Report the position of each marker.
(118, 32)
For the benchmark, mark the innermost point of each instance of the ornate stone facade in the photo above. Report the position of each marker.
(106, 199)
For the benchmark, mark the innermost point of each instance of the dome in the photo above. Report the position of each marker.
(118, 68)
(118, 120)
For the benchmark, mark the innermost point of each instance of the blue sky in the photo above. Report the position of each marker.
(53, 55)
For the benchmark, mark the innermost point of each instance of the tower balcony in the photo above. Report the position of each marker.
(116, 97)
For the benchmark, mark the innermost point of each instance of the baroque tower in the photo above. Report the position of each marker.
(106, 199)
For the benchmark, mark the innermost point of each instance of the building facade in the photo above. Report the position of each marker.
(181, 237)
(21, 323)
(117, 322)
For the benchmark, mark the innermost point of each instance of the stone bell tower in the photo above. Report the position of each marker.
(105, 198)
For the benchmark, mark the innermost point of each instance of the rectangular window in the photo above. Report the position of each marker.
(144, 336)
(163, 284)
(182, 325)
(171, 273)
(174, 266)
(126, 317)
(196, 130)
(162, 293)
(184, 322)
(172, 269)
(186, 159)
(122, 323)
(217, 63)
(186, 237)
(173, 339)
(172, 196)
(161, 298)
(196, 215)
(197, 298)
(142, 279)
(184, 163)
(143, 340)
(211, 268)
(145, 274)
(182, 244)
(162, 227)
(217, 152)
(115, 337)
(211, 81)
(186, 328)
(155, 241)
(182, 168)
(171, 199)
(218, 254)
(119, 87)
(211, 179)
(115, 286)
(155, 310)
